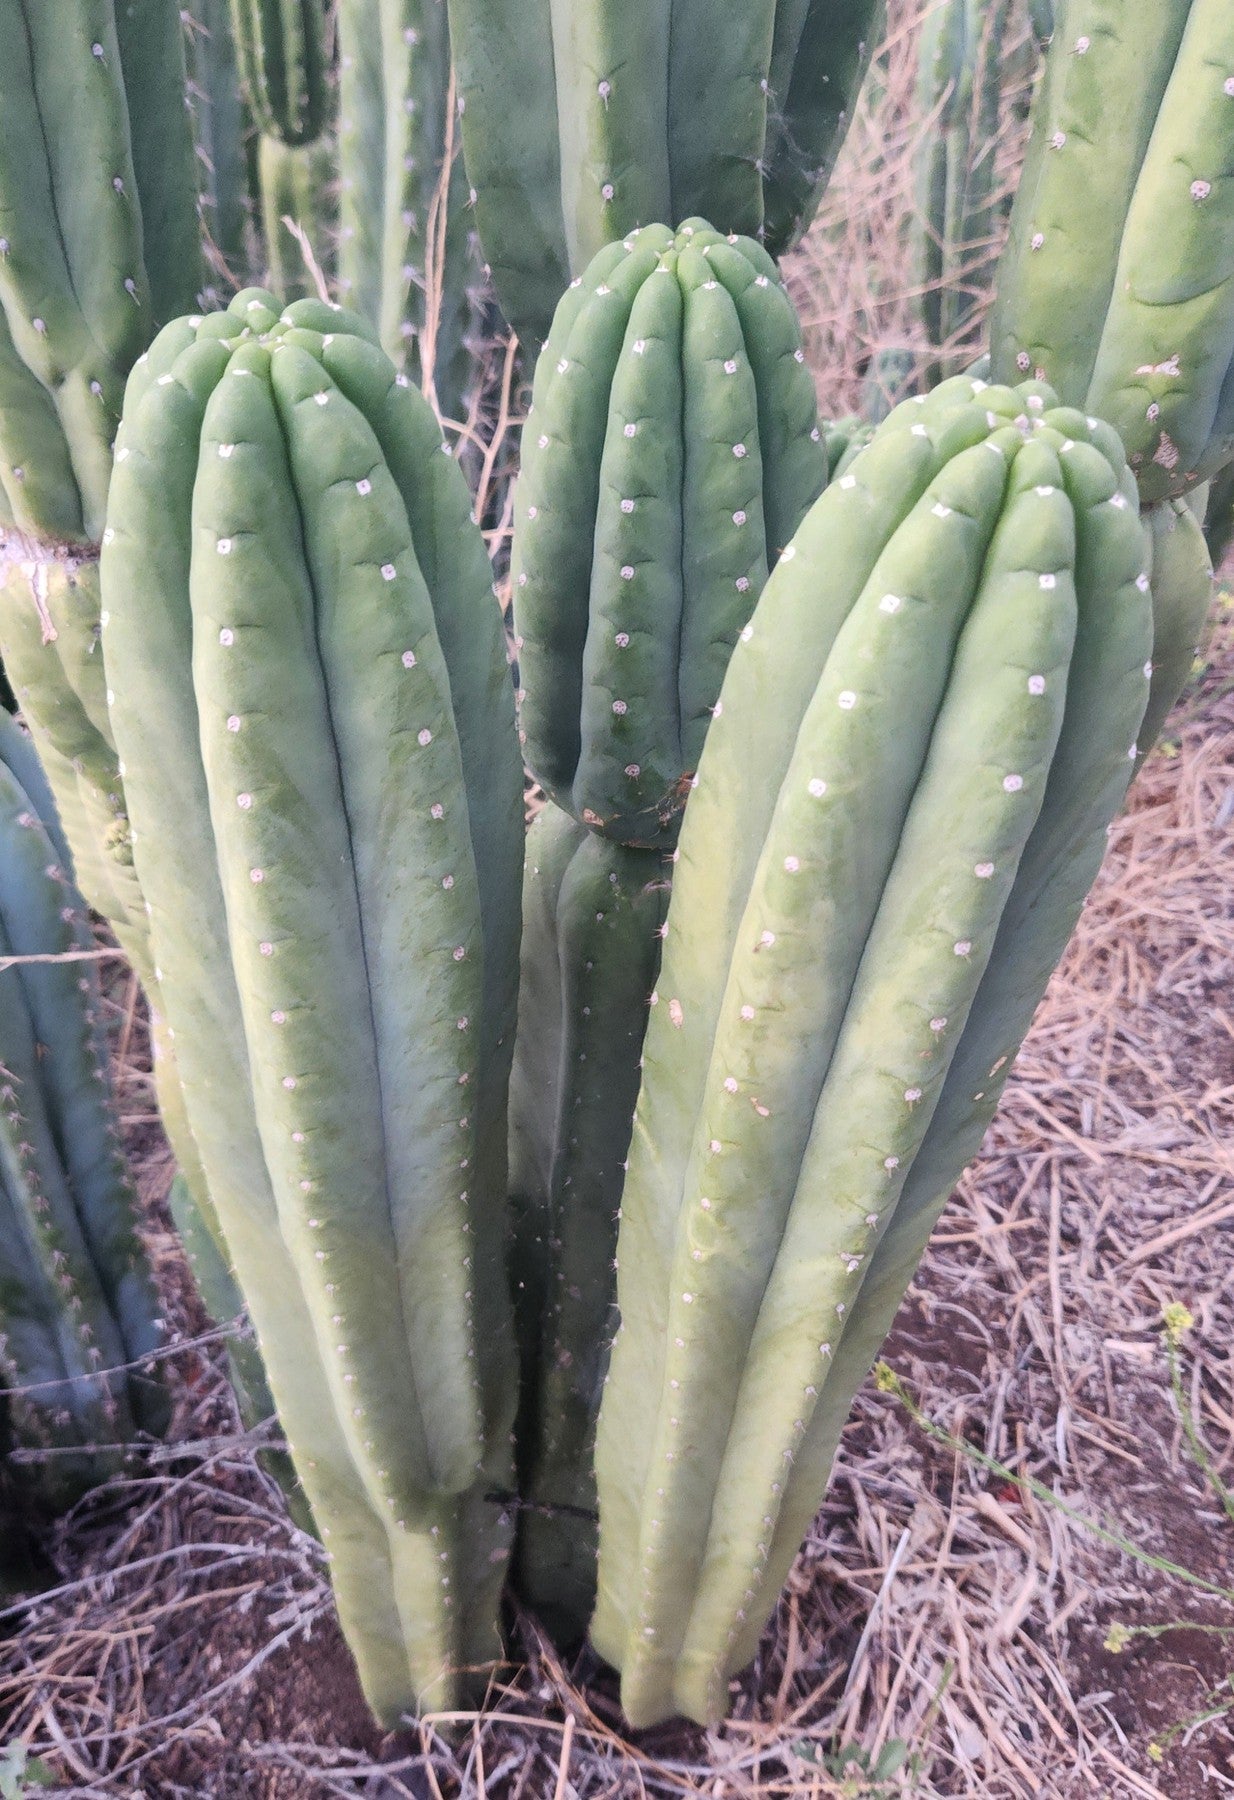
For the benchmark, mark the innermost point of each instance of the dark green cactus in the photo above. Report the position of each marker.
(312, 701)
(221, 126)
(1219, 516)
(671, 451)
(582, 123)
(593, 914)
(1116, 285)
(958, 648)
(78, 1311)
(284, 76)
(282, 61)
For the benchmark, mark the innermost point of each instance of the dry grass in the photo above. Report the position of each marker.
(188, 1647)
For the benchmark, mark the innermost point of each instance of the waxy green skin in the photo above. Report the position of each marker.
(671, 450)
(582, 122)
(311, 698)
(593, 916)
(1117, 285)
(78, 1309)
(962, 633)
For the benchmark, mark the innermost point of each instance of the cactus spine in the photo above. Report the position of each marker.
(671, 451)
(582, 123)
(593, 912)
(976, 576)
(78, 1311)
(312, 701)
(1116, 283)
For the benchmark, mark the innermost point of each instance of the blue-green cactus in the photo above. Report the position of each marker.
(671, 451)
(957, 649)
(311, 697)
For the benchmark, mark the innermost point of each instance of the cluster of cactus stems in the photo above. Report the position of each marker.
(832, 720)
(582, 123)
(79, 1317)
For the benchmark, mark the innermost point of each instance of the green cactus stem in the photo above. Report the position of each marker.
(1182, 582)
(671, 450)
(1116, 285)
(1219, 516)
(79, 1317)
(962, 633)
(583, 123)
(593, 915)
(280, 47)
(221, 126)
(964, 52)
(311, 697)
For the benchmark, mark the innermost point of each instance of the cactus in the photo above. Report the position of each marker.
(1219, 516)
(964, 50)
(220, 128)
(408, 258)
(957, 646)
(78, 1312)
(671, 450)
(313, 705)
(1116, 283)
(583, 123)
(283, 69)
(593, 913)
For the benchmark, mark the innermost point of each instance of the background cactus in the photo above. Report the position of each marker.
(312, 701)
(283, 66)
(671, 450)
(1116, 283)
(408, 258)
(78, 1311)
(582, 124)
(965, 47)
(593, 912)
(958, 647)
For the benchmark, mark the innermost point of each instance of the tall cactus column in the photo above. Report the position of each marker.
(927, 727)
(593, 917)
(408, 257)
(671, 451)
(313, 704)
(78, 1310)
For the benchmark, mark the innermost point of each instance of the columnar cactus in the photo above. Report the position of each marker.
(408, 260)
(582, 123)
(958, 643)
(593, 913)
(221, 127)
(963, 60)
(671, 451)
(98, 240)
(1116, 283)
(311, 696)
(284, 76)
(78, 1312)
